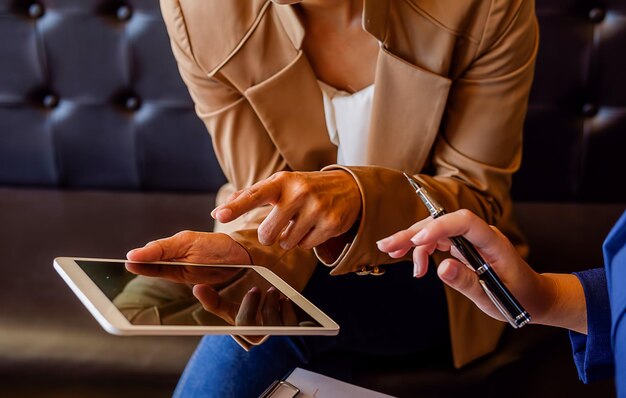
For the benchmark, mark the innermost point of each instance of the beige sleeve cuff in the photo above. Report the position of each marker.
(389, 204)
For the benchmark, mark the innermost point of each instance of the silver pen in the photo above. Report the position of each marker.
(499, 294)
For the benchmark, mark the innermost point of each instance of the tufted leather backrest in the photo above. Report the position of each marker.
(90, 97)
(575, 136)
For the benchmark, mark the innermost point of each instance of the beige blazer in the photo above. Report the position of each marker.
(451, 89)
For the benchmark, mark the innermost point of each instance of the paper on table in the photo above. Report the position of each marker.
(315, 385)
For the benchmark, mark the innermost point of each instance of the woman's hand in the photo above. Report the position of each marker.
(190, 247)
(255, 309)
(193, 247)
(308, 207)
(551, 299)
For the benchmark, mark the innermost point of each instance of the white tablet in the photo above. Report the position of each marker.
(166, 298)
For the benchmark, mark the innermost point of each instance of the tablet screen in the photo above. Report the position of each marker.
(163, 294)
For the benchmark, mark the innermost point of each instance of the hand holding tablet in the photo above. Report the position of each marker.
(131, 298)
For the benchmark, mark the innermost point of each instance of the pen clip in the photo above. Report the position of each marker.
(499, 305)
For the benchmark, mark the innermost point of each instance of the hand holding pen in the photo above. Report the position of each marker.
(482, 285)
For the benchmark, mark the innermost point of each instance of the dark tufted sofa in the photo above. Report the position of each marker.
(100, 151)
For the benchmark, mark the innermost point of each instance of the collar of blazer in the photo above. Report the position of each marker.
(375, 13)
(374, 20)
(407, 107)
(406, 113)
(408, 100)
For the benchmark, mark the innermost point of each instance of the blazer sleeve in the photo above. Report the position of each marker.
(593, 354)
(234, 129)
(614, 250)
(477, 149)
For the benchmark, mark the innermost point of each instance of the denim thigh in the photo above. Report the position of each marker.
(392, 314)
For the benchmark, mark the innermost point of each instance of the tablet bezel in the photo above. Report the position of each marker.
(114, 322)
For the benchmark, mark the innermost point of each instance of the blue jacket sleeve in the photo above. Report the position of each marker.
(593, 353)
(615, 263)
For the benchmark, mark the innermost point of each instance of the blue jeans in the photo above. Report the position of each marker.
(392, 314)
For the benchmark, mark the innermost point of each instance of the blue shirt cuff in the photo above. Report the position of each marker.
(593, 354)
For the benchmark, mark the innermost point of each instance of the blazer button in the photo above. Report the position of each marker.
(377, 271)
(371, 270)
(365, 270)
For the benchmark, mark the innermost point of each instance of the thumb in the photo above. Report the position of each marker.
(459, 277)
(166, 249)
(152, 251)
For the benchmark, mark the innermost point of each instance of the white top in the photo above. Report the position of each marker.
(348, 122)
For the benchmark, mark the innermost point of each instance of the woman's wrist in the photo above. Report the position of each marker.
(349, 192)
(564, 303)
(238, 253)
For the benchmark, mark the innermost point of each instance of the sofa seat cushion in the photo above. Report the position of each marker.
(45, 330)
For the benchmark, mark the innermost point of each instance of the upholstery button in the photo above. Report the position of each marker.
(132, 103)
(124, 12)
(50, 100)
(590, 110)
(36, 10)
(597, 14)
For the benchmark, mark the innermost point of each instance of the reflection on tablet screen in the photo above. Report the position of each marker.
(159, 294)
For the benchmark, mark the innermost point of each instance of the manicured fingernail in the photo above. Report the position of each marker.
(417, 239)
(223, 213)
(382, 242)
(417, 271)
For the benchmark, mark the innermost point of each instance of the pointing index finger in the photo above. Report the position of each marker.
(259, 194)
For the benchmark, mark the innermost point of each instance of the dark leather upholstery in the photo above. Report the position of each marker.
(96, 94)
(96, 127)
(49, 343)
(576, 126)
